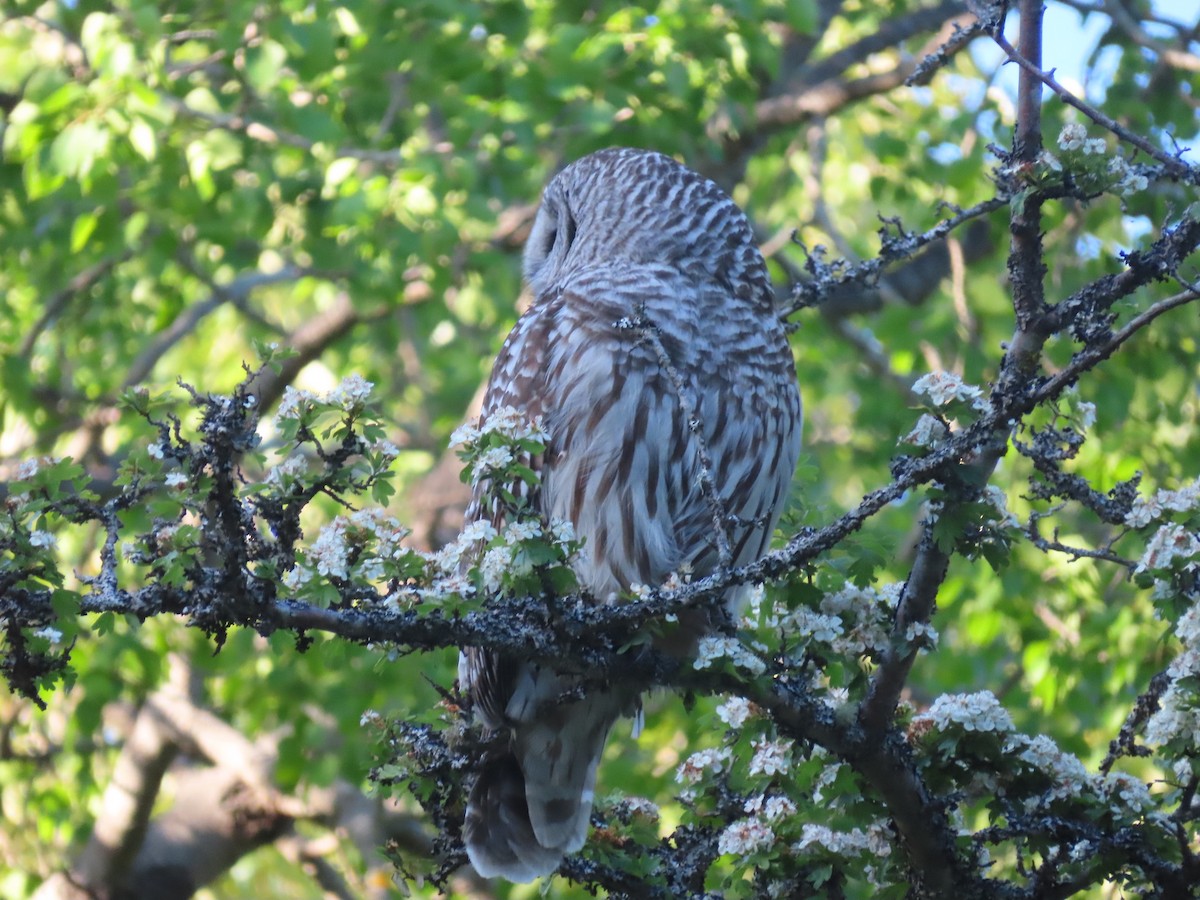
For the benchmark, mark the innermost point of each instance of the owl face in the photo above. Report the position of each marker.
(639, 207)
(554, 231)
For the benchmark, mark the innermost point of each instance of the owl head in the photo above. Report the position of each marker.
(627, 206)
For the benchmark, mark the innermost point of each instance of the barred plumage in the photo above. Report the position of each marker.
(652, 338)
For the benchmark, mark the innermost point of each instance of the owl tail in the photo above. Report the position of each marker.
(531, 805)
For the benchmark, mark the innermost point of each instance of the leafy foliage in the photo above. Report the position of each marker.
(341, 188)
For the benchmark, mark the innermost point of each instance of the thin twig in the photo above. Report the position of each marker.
(1175, 166)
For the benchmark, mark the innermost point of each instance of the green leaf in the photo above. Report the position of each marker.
(81, 231)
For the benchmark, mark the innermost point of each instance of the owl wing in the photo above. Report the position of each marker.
(622, 465)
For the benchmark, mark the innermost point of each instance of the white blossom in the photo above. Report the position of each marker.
(1143, 511)
(293, 403)
(1187, 629)
(330, 551)
(467, 433)
(1068, 775)
(1132, 184)
(1169, 543)
(175, 480)
(640, 806)
(351, 393)
(53, 635)
(30, 467)
(478, 531)
(563, 530)
(744, 837)
(513, 424)
(1178, 715)
(945, 387)
(42, 539)
(716, 646)
(493, 459)
(496, 563)
(155, 450)
(385, 449)
(370, 717)
(818, 626)
(296, 577)
(921, 634)
(823, 780)
(734, 712)
(27, 469)
(770, 757)
(1072, 136)
(928, 432)
(770, 809)
(1125, 793)
(292, 467)
(1177, 718)
(1182, 769)
(1086, 412)
(841, 842)
(516, 532)
(973, 712)
(1050, 161)
(693, 768)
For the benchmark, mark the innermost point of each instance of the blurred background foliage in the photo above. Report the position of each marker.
(354, 179)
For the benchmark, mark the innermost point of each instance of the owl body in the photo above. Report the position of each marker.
(652, 344)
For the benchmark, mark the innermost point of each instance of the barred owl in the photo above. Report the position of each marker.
(652, 343)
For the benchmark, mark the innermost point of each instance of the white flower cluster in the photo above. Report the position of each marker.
(330, 553)
(1074, 137)
(824, 779)
(770, 757)
(293, 403)
(500, 560)
(946, 387)
(818, 626)
(715, 647)
(507, 421)
(1124, 793)
(853, 621)
(744, 837)
(734, 712)
(1169, 543)
(1128, 180)
(1086, 412)
(1068, 775)
(27, 468)
(843, 843)
(350, 394)
(998, 500)
(928, 432)
(1178, 715)
(640, 806)
(291, 468)
(770, 809)
(42, 539)
(972, 712)
(53, 635)
(1146, 509)
(921, 634)
(692, 769)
